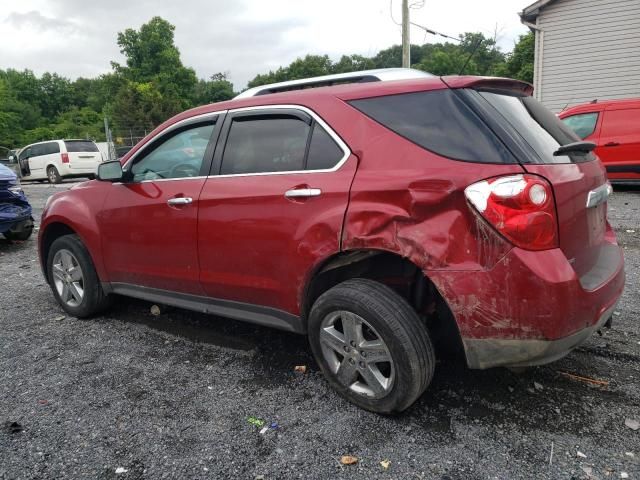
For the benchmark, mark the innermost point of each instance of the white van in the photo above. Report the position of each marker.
(58, 159)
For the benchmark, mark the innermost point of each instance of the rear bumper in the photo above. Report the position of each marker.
(493, 352)
(531, 308)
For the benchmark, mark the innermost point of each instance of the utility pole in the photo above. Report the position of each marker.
(406, 43)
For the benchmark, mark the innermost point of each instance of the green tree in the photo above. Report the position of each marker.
(156, 84)
(352, 63)
(217, 89)
(519, 63)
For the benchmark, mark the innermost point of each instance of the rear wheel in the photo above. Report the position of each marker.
(73, 278)
(371, 346)
(53, 175)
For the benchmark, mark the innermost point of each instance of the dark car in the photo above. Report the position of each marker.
(379, 218)
(16, 222)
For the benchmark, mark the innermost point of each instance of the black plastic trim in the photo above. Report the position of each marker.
(623, 168)
(246, 312)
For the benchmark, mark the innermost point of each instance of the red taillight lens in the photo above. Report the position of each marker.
(520, 207)
(65, 158)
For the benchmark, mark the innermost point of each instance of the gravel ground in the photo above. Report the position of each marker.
(130, 395)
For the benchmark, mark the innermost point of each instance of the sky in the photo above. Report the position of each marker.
(77, 38)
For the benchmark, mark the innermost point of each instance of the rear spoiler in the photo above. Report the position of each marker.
(491, 84)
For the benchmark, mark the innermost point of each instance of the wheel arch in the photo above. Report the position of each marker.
(395, 271)
(49, 234)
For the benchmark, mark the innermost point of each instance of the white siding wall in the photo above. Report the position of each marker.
(588, 49)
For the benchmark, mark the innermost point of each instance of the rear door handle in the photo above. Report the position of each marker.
(302, 192)
(611, 144)
(180, 201)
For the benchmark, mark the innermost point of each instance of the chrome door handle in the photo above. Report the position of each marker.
(302, 192)
(180, 201)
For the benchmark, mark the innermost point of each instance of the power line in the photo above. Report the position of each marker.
(433, 32)
(391, 13)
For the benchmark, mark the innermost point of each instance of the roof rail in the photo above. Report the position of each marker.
(377, 75)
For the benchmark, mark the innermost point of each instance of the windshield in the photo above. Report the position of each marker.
(538, 126)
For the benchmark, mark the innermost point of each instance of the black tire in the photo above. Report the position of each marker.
(94, 299)
(400, 328)
(21, 236)
(53, 175)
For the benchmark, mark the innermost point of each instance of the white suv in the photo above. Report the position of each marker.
(57, 159)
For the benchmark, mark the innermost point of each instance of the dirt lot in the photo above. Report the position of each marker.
(130, 395)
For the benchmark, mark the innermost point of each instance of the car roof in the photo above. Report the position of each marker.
(362, 76)
(600, 105)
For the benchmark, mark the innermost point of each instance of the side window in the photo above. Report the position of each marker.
(438, 121)
(179, 155)
(26, 153)
(583, 124)
(51, 147)
(324, 152)
(37, 150)
(261, 144)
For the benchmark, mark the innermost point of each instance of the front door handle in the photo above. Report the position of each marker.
(302, 192)
(611, 144)
(180, 201)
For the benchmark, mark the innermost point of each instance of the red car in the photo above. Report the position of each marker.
(380, 218)
(614, 126)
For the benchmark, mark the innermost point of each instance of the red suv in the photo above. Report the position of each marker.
(614, 126)
(380, 218)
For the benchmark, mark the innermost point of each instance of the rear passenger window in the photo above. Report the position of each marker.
(37, 150)
(324, 152)
(437, 121)
(583, 124)
(265, 144)
(49, 148)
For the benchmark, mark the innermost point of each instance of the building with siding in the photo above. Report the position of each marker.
(584, 50)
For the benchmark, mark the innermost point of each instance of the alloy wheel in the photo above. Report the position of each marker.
(68, 278)
(356, 354)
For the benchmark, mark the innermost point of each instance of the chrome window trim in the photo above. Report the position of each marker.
(170, 128)
(341, 144)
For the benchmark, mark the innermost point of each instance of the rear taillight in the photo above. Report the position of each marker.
(65, 158)
(520, 207)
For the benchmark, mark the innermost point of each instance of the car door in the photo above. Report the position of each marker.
(36, 160)
(275, 209)
(619, 146)
(149, 221)
(23, 162)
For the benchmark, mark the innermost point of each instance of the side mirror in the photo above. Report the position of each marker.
(110, 171)
(12, 159)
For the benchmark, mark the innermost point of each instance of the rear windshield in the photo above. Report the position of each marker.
(543, 131)
(80, 146)
(438, 121)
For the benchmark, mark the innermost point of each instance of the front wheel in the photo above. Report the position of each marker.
(73, 278)
(371, 346)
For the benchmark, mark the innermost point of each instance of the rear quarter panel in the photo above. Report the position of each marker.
(407, 200)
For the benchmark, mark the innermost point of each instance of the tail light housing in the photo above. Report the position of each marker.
(520, 207)
(65, 157)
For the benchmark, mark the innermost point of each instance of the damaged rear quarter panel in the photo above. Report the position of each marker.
(409, 201)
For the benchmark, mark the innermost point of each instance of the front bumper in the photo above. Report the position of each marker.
(531, 308)
(15, 218)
